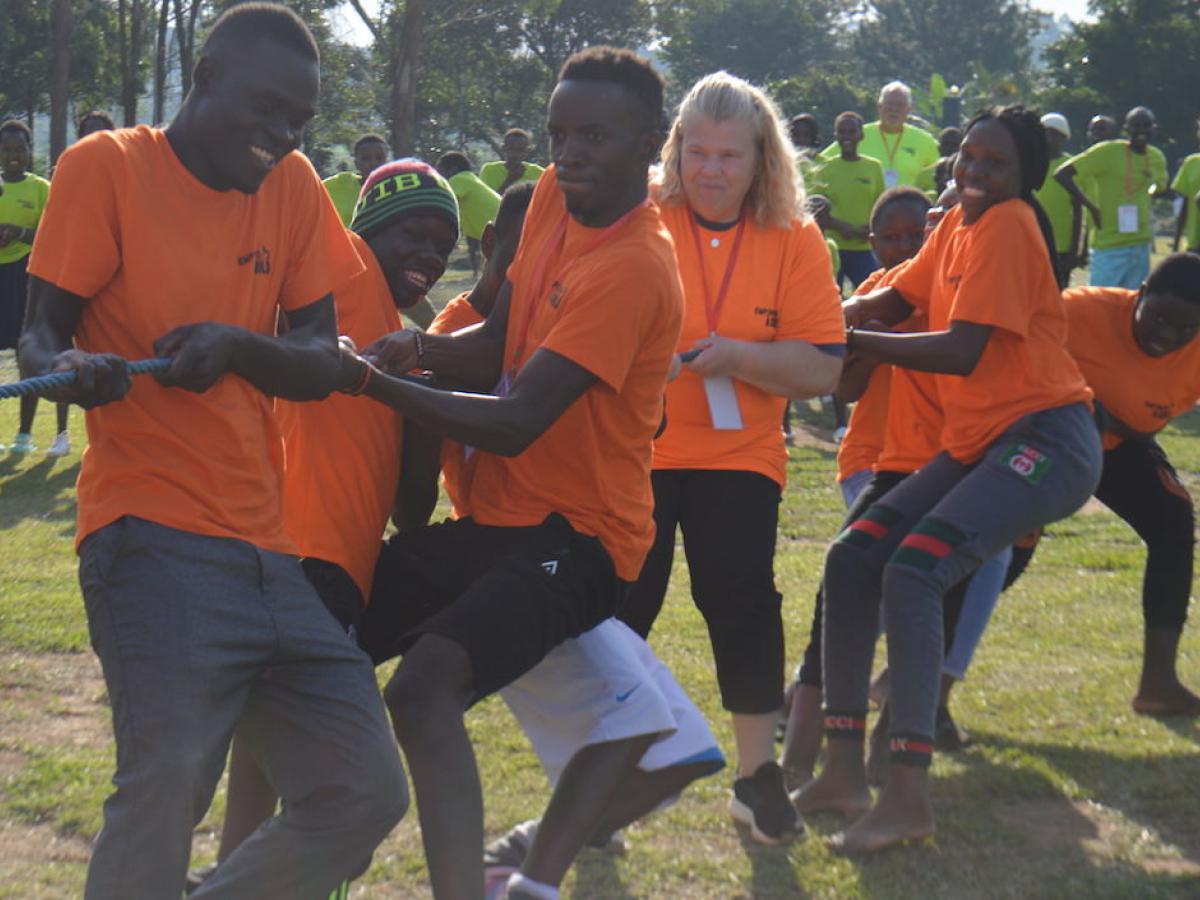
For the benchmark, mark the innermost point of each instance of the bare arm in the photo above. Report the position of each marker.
(1066, 177)
(856, 375)
(886, 305)
(955, 351)
(794, 369)
(542, 391)
(417, 491)
(47, 344)
(472, 357)
(300, 363)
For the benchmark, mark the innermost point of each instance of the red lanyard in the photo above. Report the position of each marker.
(554, 245)
(712, 311)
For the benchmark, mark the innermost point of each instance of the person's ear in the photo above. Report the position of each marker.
(487, 241)
(204, 75)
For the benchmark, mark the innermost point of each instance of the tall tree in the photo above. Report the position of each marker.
(161, 60)
(912, 41)
(760, 40)
(132, 16)
(60, 72)
(1135, 52)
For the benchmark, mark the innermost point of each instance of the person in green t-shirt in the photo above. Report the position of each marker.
(477, 203)
(1187, 186)
(501, 174)
(21, 203)
(1054, 199)
(934, 179)
(851, 183)
(1127, 174)
(904, 150)
(370, 152)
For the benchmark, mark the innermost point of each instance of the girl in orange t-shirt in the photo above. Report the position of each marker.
(1020, 450)
(1138, 352)
(762, 323)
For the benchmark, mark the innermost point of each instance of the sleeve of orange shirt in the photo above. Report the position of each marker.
(811, 306)
(603, 326)
(322, 258)
(915, 280)
(997, 286)
(544, 192)
(78, 246)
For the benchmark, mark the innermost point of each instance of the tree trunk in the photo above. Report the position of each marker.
(404, 79)
(61, 23)
(185, 37)
(123, 46)
(160, 63)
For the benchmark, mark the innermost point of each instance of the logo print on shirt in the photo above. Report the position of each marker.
(550, 566)
(557, 292)
(1159, 410)
(262, 260)
(953, 279)
(771, 314)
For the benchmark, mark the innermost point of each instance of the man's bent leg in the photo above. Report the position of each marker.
(178, 622)
(316, 721)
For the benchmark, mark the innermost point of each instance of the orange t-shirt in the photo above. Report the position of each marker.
(342, 454)
(864, 433)
(150, 248)
(781, 289)
(457, 314)
(615, 310)
(995, 271)
(1144, 392)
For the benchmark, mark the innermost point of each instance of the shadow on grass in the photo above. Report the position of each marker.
(598, 877)
(42, 491)
(1006, 827)
(772, 874)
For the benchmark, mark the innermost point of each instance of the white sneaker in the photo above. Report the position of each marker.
(61, 445)
(23, 444)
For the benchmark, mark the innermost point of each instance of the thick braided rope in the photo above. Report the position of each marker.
(42, 383)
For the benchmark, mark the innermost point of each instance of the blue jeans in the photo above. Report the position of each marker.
(197, 635)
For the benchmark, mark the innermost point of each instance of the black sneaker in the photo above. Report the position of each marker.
(761, 801)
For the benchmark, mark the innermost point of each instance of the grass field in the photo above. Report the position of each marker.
(1065, 793)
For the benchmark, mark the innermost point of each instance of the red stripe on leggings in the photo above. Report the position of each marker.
(874, 529)
(927, 543)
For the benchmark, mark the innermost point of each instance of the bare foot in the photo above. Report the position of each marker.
(1169, 700)
(830, 792)
(878, 754)
(900, 817)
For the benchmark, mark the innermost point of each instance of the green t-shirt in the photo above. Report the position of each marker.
(1187, 183)
(1058, 206)
(902, 156)
(1124, 182)
(343, 190)
(477, 203)
(835, 256)
(495, 173)
(852, 189)
(21, 205)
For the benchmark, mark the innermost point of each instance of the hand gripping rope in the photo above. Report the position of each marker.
(42, 383)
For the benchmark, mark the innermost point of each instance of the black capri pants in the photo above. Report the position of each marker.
(729, 520)
(1140, 485)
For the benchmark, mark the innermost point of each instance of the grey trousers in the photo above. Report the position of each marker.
(926, 535)
(197, 635)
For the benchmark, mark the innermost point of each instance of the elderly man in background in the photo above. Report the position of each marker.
(903, 150)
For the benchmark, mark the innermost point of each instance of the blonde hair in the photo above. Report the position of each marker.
(776, 196)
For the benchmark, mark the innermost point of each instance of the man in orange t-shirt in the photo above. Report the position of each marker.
(1139, 353)
(578, 348)
(188, 243)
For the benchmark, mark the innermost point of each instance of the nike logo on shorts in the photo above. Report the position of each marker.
(621, 698)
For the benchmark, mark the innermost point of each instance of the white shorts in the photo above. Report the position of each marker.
(607, 685)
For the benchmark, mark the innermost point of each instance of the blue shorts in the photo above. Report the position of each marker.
(1125, 267)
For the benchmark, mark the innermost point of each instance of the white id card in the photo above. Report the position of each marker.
(722, 404)
(891, 177)
(1127, 218)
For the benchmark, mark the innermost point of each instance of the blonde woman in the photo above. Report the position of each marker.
(762, 324)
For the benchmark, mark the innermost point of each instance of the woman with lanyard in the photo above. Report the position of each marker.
(1020, 450)
(761, 324)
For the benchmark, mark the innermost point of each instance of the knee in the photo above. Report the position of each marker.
(428, 691)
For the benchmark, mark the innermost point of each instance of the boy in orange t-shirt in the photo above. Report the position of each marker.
(188, 243)
(577, 349)
(1138, 352)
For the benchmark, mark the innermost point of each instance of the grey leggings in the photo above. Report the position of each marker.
(926, 535)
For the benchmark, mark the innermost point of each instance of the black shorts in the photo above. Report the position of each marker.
(506, 595)
(337, 591)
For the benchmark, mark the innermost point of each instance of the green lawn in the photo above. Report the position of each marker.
(1065, 793)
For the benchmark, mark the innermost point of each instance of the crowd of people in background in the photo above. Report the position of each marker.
(643, 310)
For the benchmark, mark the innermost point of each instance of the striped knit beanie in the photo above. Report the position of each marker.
(406, 187)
